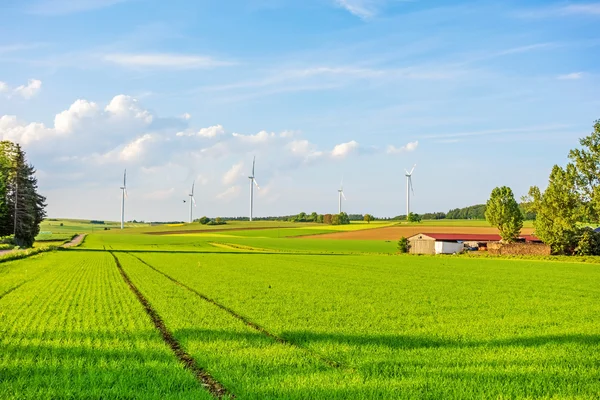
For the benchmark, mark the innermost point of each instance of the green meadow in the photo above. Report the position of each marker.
(268, 316)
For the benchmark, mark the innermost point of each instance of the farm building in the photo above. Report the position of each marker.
(449, 243)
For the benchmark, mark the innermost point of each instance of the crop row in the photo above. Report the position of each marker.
(428, 328)
(78, 332)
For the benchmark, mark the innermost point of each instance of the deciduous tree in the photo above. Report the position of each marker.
(503, 212)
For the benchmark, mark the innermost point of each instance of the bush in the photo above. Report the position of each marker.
(403, 245)
(204, 220)
(588, 243)
(412, 217)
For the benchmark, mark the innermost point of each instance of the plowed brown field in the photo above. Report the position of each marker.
(396, 232)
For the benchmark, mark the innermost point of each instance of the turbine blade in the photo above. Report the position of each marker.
(125, 178)
(413, 168)
(193, 184)
(256, 183)
(125, 192)
(411, 185)
(194, 201)
(343, 195)
(253, 164)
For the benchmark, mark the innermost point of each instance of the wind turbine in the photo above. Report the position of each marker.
(340, 196)
(252, 183)
(192, 201)
(409, 188)
(124, 195)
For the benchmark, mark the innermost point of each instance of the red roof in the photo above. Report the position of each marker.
(472, 237)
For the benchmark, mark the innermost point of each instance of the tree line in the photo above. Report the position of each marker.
(565, 210)
(22, 208)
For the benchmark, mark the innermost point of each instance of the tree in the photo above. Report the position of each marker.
(301, 217)
(503, 212)
(403, 245)
(313, 217)
(24, 207)
(204, 220)
(343, 218)
(413, 217)
(558, 210)
(328, 219)
(587, 178)
(319, 219)
(368, 218)
(335, 219)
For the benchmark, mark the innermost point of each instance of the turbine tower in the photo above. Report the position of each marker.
(252, 183)
(123, 196)
(192, 201)
(409, 188)
(340, 196)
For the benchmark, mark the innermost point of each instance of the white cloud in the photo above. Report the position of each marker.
(16, 131)
(27, 91)
(135, 150)
(210, 132)
(234, 173)
(229, 194)
(31, 89)
(581, 9)
(361, 8)
(411, 146)
(186, 116)
(571, 76)
(344, 149)
(260, 137)
(164, 60)
(71, 119)
(126, 107)
(301, 147)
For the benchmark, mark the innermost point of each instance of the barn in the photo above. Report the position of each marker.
(449, 243)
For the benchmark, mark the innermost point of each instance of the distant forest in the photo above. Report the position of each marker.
(472, 212)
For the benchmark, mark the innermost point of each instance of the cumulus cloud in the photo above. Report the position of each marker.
(13, 129)
(233, 174)
(135, 149)
(229, 194)
(71, 119)
(411, 146)
(26, 92)
(30, 90)
(260, 137)
(344, 149)
(210, 132)
(126, 107)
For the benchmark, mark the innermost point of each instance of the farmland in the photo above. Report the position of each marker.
(255, 314)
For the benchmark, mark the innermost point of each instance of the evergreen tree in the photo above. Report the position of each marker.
(22, 209)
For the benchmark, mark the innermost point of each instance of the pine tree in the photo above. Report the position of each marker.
(22, 209)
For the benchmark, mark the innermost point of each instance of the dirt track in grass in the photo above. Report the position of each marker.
(396, 232)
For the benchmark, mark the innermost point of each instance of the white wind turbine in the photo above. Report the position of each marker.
(409, 188)
(192, 201)
(123, 196)
(252, 183)
(340, 196)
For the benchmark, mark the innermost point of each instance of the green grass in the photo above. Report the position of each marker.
(312, 319)
(74, 330)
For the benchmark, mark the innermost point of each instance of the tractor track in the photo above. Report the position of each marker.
(206, 380)
(13, 289)
(248, 322)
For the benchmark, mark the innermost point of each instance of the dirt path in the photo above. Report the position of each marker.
(76, 241)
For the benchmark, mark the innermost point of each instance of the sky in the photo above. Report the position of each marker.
(476, 94)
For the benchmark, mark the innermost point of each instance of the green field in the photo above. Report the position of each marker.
(274, 317)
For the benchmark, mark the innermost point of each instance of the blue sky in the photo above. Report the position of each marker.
(477, 94)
